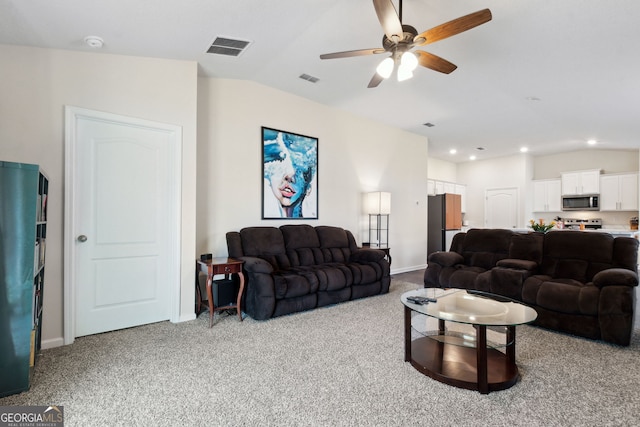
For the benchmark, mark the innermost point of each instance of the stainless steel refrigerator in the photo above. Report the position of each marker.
(444, 220)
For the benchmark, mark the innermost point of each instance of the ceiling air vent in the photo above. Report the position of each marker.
(227, 46)
(308, 78)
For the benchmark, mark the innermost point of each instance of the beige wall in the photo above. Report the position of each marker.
(36, 84)
(609, 161)
(355, 156)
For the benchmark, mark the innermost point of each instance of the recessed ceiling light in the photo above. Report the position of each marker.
(480, 148)
(592, 142)
(453, 151)
(472, 157)
(532, 98)
(523, 149)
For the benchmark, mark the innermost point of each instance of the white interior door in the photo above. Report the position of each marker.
(501, 208)
(124, 222)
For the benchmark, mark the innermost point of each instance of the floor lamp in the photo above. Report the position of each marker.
(378, 207)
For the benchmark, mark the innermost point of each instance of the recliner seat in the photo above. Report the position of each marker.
(581, 283)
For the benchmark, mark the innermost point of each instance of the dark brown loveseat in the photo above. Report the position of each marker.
(582, 283)
(300, 267)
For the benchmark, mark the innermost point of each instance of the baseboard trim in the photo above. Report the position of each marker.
(408, 269)
(52, 343)
(185, 318)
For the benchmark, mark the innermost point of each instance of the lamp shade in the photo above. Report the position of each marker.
(385, 68)
(378, 203)
(409, 61)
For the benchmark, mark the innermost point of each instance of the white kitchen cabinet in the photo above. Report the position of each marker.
(619, 192)
(581, 182)
(449, 187)
(435, 187)
(431, 187)
(547, 195)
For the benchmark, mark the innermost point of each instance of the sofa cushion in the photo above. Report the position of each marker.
(365, 273)
(625, 253)
(464, 277)
(292, 283)
(569, 296)
(266, 243)
(484, 247)
(576, 254)
(335, 243)
(527, 246)
(302, 245)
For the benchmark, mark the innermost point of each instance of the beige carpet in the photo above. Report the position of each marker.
(336, 366)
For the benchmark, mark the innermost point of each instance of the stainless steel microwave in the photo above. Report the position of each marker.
(585, 202)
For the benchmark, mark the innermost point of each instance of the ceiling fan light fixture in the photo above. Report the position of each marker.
(409, 61)
(385, 68)
(404, 73)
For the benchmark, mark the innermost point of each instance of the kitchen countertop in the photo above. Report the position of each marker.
(615, 231)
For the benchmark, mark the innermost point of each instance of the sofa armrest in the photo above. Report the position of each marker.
(616, 277)
(445, 259)
(518, 264)
(256, 265)
(366, 255)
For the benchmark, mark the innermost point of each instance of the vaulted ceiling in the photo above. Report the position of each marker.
(544, 74)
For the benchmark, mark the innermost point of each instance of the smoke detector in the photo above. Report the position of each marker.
(94, 42)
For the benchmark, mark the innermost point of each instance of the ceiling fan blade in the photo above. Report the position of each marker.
(375, 80)
(454, 27)
(434, 62)
(389, 20)
(349, 53)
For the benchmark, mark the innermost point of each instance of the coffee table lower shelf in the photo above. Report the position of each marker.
(457, 365)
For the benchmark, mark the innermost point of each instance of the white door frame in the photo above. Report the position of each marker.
(486, 197)
(72, 114)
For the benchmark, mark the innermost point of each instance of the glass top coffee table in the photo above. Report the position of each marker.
(459, 353)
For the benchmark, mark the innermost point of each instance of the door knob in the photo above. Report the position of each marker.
(82, 238)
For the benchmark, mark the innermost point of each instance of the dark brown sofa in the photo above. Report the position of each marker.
(300, 267)
(581, 283)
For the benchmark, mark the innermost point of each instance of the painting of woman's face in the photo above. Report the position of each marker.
(289, 171)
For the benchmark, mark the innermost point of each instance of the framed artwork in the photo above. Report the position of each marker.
(290, 175)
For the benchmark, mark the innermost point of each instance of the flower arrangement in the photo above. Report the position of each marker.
(541, 226)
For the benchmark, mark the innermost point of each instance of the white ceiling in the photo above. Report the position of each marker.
(578, 58)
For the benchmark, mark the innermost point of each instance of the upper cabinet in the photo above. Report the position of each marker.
(581, 182)
(435, 187)
(547, 195)
(619, 192)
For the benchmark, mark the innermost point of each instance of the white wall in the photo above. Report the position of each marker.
(441, 170)
(502, 172)
(519, 170)
(36, 84)
(355, 156)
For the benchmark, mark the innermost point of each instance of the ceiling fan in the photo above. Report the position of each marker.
(399, 39)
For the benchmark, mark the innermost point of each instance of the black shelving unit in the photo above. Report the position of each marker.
(24, 190)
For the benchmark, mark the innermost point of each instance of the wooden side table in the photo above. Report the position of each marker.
(226, 266)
